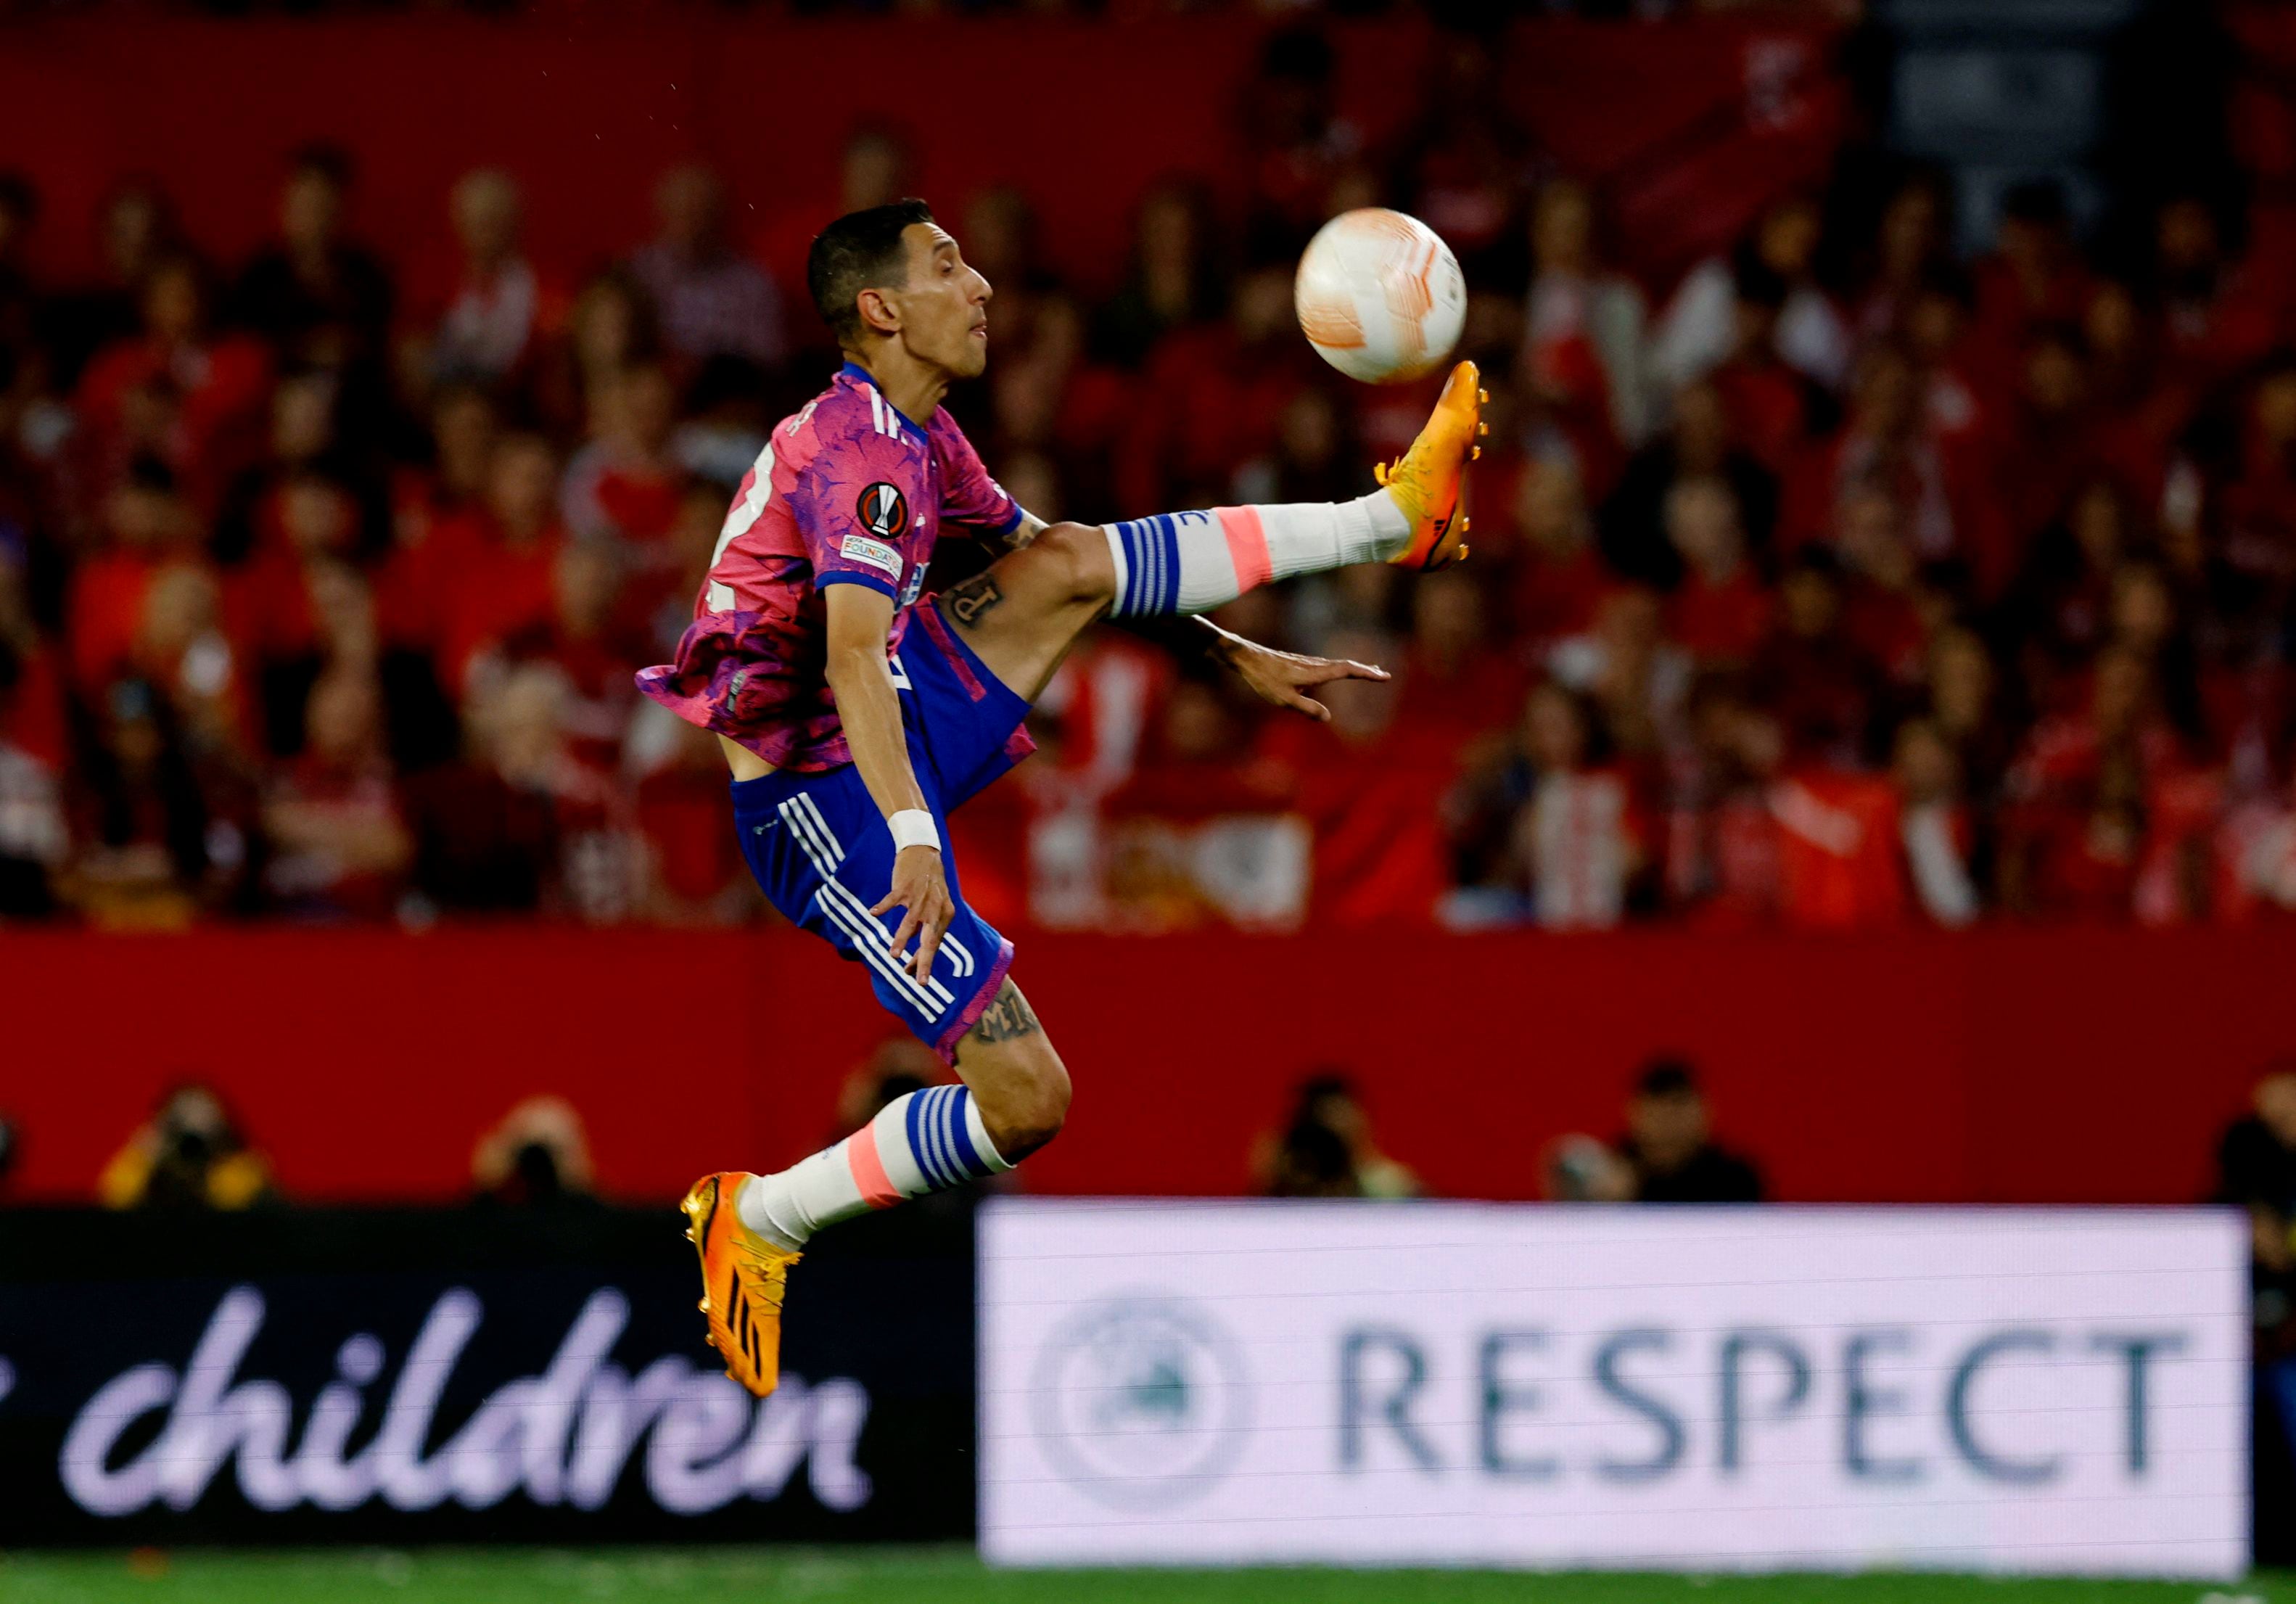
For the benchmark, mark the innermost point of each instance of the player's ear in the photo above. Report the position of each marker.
(878, 312)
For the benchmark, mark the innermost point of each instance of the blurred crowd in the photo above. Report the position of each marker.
(1841, 581)
(1113, 9)
(195, 1151)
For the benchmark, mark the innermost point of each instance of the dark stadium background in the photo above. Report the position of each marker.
(1870, 703)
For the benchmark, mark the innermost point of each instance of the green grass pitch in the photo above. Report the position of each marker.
(954, 1576)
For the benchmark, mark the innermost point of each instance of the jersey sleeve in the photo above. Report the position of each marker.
(853, 505)
(968, 495)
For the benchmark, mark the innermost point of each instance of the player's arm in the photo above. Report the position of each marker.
(1282, 677)
(860, 621)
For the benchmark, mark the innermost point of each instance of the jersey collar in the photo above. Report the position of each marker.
(862, 375)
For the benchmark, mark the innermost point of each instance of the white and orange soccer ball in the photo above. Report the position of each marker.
(1379, 296)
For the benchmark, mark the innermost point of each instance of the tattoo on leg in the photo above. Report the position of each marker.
(969, 598)
(1007, 1018)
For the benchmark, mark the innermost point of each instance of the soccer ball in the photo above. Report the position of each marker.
(1379, 296)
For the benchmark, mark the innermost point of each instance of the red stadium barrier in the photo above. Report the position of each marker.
(1697, 123)
(1996, 1066)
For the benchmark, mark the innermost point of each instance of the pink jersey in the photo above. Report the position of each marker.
(846, 492)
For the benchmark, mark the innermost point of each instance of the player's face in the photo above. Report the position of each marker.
(945, 305)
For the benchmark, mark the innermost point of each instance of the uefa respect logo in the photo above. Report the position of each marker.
(1142, 1402)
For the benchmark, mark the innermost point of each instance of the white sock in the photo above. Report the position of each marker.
(1191, 562)
(926, 1142)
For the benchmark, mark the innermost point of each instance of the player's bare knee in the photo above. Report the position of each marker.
(1031, 1111)
(1027, 1102)
(1076, 555)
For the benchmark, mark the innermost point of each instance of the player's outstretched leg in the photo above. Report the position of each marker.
(1023, 613)
(749, 1230)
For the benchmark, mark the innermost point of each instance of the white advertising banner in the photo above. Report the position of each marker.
(2012, 1390)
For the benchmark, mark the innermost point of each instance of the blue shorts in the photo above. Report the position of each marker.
(820, 849)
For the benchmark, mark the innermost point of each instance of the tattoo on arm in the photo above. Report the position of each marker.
(1007, 1018)
(969, 600)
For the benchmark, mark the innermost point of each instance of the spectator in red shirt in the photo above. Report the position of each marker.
(2033, 278)
(287, 608)
(695, 870)
(146, 525)
(1955, 377)
(1370, 792)
(712, 300)
(1935, 831)
(213, 386)
(1559, 581)
(1637, 678)
(624, 487)
(1043, 397)
(1824, 688)
(1774, 408)
(1461, 170)
(1698, 329)
(2074, 830)
(487, 573)
(1723, 853)
(612, 326)
(1582, 351)
(2214, 314)
(140, 825)
(1908, 242)
(1174, 281)
(1961, 697)
(486, 829)
(1457, 684)
(1838, 849)
(1698, 444)
(494, 317)
(1299, 143)
(184, 652)
(2060, 606)
(1720, 613)
(337, 844)
(2142, 404)
(136, 229)
(1885, 441)
(304, 439)
(593, 641)
(1577, 838)
(1196, 837)
(34, 835)
(1213, 399)
(2048, 446)
(1881, 600)
(463, 426)
(2257, 510)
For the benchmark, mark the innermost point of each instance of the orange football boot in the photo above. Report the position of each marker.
(742, 1279)
(1426, 479)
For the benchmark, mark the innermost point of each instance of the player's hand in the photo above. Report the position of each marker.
(1284, 677)
(922, 891)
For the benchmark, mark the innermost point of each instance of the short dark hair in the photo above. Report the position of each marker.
(324, 159)
(1754, 282)
(1667, 1076)
(861, 250)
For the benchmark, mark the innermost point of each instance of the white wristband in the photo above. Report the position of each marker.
(913, 827)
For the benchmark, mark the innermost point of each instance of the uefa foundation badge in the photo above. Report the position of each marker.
(1142, 1402)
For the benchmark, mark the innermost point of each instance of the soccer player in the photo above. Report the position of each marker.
(857, 715)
